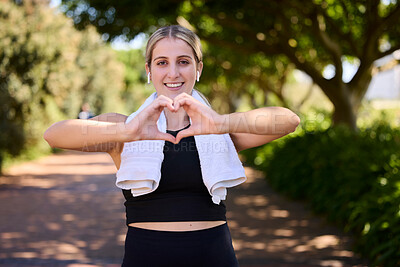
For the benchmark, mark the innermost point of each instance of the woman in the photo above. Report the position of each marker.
(173, 221)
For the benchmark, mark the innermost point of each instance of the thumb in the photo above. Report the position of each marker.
(184, 133)
(166, 137)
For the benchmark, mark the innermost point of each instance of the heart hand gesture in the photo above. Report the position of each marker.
(204, 119)
(144, 125)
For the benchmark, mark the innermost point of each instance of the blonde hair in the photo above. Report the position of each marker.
(174, 31)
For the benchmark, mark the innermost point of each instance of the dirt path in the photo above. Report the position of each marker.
(64, 210)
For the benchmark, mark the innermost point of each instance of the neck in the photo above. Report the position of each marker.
(176, 120)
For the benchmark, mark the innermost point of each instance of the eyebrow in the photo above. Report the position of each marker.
(162, 57)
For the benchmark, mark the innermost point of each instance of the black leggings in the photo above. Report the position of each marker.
(209, 248)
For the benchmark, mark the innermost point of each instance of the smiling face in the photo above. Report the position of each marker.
(173, 67)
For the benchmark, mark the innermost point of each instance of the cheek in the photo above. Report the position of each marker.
(190, 73)
(157, 75)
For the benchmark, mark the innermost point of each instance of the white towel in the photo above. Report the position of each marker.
(140, 169)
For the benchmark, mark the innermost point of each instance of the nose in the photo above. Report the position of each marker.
(173, 71)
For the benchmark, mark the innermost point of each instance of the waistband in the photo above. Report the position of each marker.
(203, 233)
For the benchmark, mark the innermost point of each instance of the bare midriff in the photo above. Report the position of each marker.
(177, 226)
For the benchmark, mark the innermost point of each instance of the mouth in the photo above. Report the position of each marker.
(174, 86)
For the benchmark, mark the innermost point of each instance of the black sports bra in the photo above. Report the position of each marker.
(181, 194)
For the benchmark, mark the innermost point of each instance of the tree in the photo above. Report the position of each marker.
(135, 89)
(310, 34)
(313, 34)
(233, 82)
(221, 80)
(47, 69)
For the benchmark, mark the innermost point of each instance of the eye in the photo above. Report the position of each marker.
(160, 63)
(184, 62)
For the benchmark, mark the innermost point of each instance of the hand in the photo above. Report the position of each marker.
(204, 119)
(144, 125)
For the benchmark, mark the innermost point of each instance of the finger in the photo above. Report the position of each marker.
(183, 102)
(184, 133)
(177, 102)
(155, 111)
(163, 97)
(176, 106)
(166, 137)
(167, 103)
(163, 101)
(152, 112)
(188, 102)
(183, 95)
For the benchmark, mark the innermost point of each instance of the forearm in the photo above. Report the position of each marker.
(262, 121)
(73, 134)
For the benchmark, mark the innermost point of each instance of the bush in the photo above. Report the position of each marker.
(352, 178)
(47, 70)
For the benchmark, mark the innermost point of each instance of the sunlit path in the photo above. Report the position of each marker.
(64, 210)
(269, 230)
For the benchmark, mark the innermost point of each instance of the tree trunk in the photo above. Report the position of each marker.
(344, 108)
(344, 114)
(360, 87)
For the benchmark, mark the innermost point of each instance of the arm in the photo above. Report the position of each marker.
(247, 129)
(106, 132)
(259, 126)
(99, 134)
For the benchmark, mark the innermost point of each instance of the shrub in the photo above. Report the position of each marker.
(47, 70)
(352, 178)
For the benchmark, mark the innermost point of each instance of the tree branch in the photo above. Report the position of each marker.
(332, 47)
(376, 30)
(388, 52)
(361, 74)
(344, 37)
(390, 19)
(372, 12)
(244, 50)
(305, 66)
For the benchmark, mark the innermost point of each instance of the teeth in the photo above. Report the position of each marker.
(173, 84)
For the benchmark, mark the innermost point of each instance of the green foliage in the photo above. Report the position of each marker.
(231, 80)
(308, 34)
(136, 89)
(351, 177)
(47, 70)
(252, 81)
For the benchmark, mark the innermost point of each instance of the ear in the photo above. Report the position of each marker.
(147, 68)
(200, 67)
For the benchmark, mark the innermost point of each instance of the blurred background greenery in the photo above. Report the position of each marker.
(334, 62)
